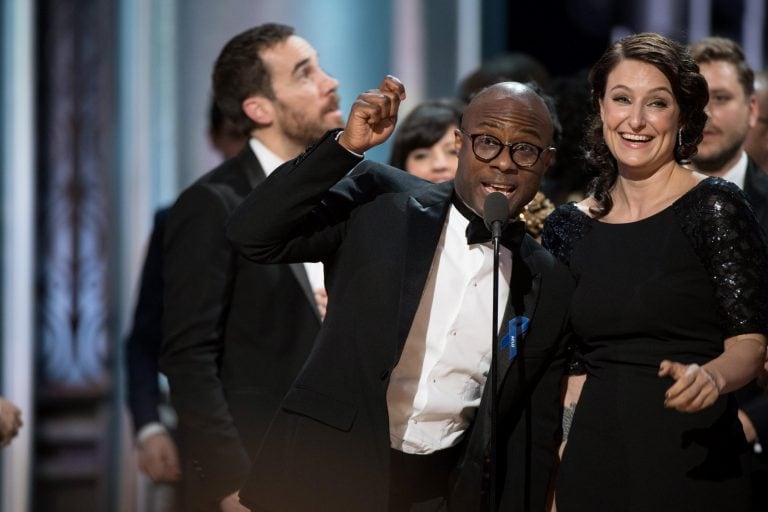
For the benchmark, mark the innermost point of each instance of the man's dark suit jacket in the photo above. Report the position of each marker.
(752, 399)
(142, 349)
(236, 333)
(756, 190)
(328, 446)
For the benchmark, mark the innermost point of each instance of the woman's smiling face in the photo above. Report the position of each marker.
(640, 117)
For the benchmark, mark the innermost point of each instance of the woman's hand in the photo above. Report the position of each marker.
(695, 388)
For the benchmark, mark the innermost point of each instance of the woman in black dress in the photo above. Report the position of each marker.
(671, 303)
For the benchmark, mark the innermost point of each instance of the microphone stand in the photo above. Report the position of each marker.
(495, 216)
(495, 234)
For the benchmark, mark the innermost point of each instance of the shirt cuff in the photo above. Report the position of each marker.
(149, 430)
(338, 134)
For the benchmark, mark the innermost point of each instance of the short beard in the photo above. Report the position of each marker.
(301, 129)
(717, 161)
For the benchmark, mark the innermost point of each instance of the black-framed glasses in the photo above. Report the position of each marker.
(487, 147)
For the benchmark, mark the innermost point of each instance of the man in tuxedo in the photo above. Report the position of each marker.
(235, 333)
(732, 112)
(391, 410)
(757, 138)
(157, 452)
(158, 456)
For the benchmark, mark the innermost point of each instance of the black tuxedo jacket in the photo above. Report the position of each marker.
(235, 333)
(756, 190)
(752, 398)
(376, 232)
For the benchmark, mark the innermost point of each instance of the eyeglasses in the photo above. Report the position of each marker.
(487, 147)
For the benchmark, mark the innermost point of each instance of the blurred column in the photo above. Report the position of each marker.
(469, 51)
(699, 19)
(408, 52)
(665, 17)
(144, 178)
(753, 32)
(18, 240)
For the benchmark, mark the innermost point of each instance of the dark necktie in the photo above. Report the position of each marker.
(478, 232)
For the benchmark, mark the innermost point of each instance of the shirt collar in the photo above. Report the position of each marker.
(268, 160)
(738, 173)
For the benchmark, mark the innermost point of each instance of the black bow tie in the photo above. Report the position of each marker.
(478, 232)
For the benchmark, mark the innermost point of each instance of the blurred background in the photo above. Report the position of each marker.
(104, 119)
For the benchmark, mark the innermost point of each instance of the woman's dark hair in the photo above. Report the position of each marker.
(689, 88)
(423, 127)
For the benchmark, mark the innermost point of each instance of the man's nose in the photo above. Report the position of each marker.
(504, 160)
(329, 83)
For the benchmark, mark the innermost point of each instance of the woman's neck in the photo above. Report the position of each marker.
(636, 198)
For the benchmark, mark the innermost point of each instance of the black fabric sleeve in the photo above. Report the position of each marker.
(566, 225)
(725, 234)
(143, 345)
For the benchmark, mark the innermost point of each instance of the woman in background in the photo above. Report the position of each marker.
(424, 144)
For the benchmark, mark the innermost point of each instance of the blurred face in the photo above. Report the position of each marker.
(512, 114)
(729, 114)
(228, 141)
(306, 103)
(436, 163)
(640, 117)
(757, 137)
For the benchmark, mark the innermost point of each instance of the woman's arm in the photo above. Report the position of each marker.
(698, 387)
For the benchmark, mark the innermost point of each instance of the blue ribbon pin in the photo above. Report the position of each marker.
(517, 327)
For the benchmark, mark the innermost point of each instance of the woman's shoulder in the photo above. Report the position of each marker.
(568, 213)
(713, 196)
(565, 226)
(715, 208)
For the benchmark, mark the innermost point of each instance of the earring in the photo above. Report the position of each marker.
(680, 137)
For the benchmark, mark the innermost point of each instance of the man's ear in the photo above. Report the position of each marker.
(258, 109)
(457, 139)
(549, 158)
(754, 111)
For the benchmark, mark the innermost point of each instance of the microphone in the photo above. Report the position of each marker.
(495, 216)
(496, 213)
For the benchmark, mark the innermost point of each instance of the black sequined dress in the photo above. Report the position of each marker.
(671, 286)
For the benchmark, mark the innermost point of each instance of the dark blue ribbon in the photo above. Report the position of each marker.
(517, 327)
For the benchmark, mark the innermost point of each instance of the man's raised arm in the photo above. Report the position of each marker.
(274, 222)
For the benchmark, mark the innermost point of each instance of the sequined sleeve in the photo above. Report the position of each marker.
(565, 226)
(730, 243)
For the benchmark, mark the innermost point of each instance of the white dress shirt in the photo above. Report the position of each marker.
(738, 173)
(436, 386)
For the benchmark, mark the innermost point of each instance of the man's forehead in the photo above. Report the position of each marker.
(503, 112)
(510, 96)
(293, 47)
(288, 57)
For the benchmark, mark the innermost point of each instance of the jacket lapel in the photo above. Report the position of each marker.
(300, 273)
(251, 166)
(255, 174)
(425, 215)
(756, 190)
(524, 288)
